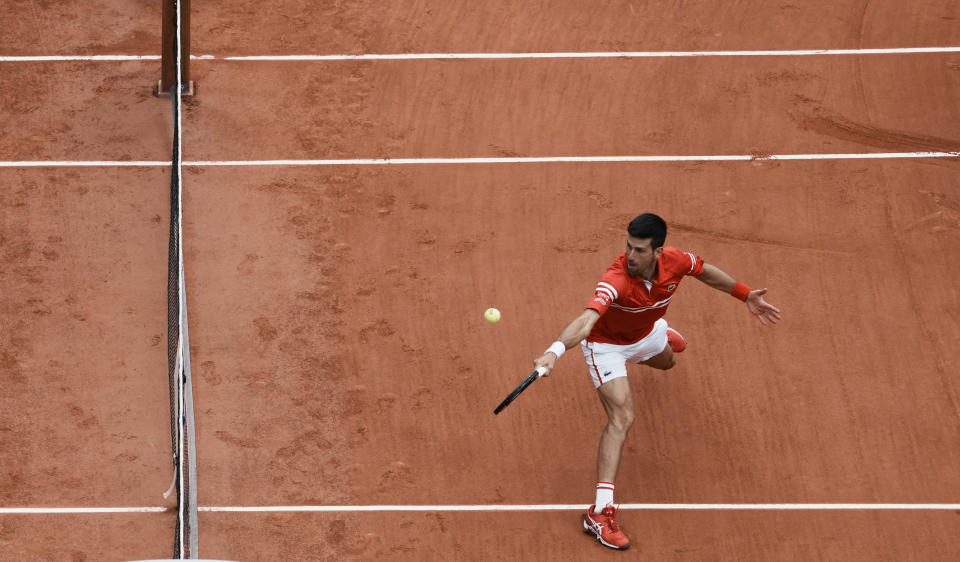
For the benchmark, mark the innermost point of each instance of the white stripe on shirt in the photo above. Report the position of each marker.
(634, 310)
(607, 292)
(609, 286)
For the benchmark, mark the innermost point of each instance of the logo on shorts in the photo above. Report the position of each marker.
(671, 286)
(607, 374)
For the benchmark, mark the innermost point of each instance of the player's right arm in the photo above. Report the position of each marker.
(608, 291)
(572, 335)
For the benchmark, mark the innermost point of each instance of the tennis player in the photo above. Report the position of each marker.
(624, 323)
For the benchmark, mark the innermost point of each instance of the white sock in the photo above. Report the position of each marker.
(604, 496)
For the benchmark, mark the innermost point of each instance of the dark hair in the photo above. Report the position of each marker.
(649, 225)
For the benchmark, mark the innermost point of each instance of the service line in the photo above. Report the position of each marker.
(512, 160)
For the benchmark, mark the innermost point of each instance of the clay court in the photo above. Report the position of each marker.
(343, 375)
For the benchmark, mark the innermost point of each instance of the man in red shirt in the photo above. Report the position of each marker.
(624, 322)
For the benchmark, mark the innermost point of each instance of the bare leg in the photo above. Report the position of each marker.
(663, 360)
(618, 403)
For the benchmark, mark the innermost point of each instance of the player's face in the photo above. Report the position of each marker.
(641, 258)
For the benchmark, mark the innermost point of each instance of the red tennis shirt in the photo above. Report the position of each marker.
(629, 306)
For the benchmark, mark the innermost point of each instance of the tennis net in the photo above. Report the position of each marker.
(178, 342)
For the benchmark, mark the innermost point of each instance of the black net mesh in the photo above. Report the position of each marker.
(178, 346)
(173, 283)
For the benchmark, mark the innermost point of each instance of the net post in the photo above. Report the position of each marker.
(168, 50)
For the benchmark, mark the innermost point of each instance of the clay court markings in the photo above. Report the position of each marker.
(557, 159)
(496, 507)
(494, 56)
(512, 160)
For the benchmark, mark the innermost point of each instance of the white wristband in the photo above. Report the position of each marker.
(557, 348)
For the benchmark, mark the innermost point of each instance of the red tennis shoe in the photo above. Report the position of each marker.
(604, 527)
(675, 340)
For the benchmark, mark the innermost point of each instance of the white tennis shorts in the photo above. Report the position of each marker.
(607, 361)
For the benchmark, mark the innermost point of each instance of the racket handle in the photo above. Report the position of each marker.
(541, 372)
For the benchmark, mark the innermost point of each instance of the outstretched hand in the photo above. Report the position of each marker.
(760, 308)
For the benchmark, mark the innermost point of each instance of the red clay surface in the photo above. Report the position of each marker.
(659, 535)
(576, 107)
(135, 536)
(485, 108)
(84, 407)
(339, 353)
(84, 416)
(305, 27)
(84, 111)
(404, 260)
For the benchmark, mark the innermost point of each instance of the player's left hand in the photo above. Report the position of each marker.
(760, 308)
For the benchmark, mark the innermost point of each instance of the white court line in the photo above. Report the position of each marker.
(78, 510)
(516, 160)
(541, 507)
(494, 56)
(91, 58)
(574, 159)
(95, 58)
(597, 55)
(84, 163)
(582, 507)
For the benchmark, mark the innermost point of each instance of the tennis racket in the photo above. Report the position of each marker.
(516, 392)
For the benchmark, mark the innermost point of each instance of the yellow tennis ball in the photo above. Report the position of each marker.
(491, 315)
